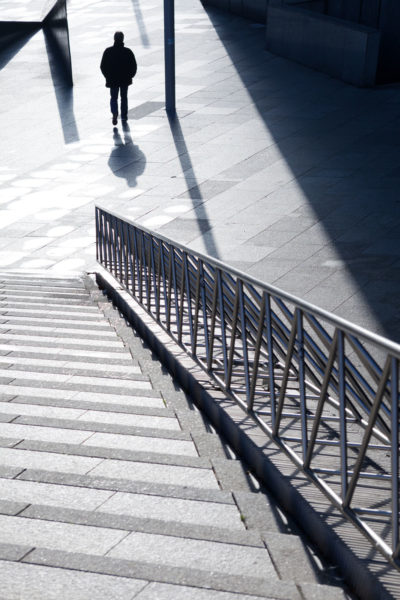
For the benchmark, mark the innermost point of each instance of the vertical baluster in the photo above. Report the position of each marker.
(114, 247)
(164, 282)
(302, 382)
(131, 261)
(119, 244)
(223, 324)
(204, 308)
(271, 366)
(188, 298)
(154, 276)
(342, 413)
(108, 242)
(97, 235)
(257, 351)
(233, 337)
(395, 453)
(244, 340)
(174, 282)
(213, 321)
(182, 298)
(137, 262)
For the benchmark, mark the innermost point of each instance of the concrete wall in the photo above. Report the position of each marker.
(340, 42)
(389, 55)
(255, 10)
(342, 49)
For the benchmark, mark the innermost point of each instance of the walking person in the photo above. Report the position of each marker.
(119, 67)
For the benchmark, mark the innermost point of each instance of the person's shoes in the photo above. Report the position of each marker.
(115, 119)
(124, 118)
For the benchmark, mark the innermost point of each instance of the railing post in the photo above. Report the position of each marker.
(270, 350)
(342, 414)
(302, 383)
(395, 454)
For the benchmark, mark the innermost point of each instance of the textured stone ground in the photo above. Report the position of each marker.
(111, 484)
(281, 171)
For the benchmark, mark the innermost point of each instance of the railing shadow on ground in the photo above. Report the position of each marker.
(333, 131)
(57, 48)
(324, 391)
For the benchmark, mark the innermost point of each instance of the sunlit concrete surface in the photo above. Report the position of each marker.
(283, 172)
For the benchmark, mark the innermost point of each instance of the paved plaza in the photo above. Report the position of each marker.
(281, 171)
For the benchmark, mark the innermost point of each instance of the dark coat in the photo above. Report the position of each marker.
(118, 65)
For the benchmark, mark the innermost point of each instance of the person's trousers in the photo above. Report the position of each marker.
(123, 91)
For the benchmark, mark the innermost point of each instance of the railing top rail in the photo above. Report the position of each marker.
(390, 346)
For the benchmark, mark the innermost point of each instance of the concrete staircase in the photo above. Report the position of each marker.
(112, 485)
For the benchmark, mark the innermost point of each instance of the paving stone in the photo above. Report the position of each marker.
(121, 469)
(189, 577)
(209, 444)
(181, 460)
(135, 398)
(62, 341)
(30, 582)
(61, 536)
(7, 418)
(52, 495)
(14, 409)
(11, 507)
(165, 591)
(176, 552)
(8, 472)
(176, 529)
(139, 399)
(153, 488)
(232, 475)
(260, 513)
(103, 428)
(13, 551)
(137, 443)
(292, 558)
(46, 434)
(56, 383)
(185, 511)
(34, 350)
(114, 409)
(131, 420)
(19, 459)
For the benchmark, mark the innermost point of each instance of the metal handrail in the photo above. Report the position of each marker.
(325, 390)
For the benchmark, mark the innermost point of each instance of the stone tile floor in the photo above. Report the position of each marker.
(278, 170)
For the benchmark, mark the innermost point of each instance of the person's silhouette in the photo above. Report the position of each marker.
(118, 66)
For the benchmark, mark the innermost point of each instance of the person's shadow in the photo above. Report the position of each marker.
(126, 159)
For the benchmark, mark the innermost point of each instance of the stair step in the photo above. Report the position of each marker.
(108, 474)
(73, 367)
(196, 519)
(61, 353)
(47, 321)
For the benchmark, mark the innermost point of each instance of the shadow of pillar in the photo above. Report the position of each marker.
(55, 28)
(51, 16)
